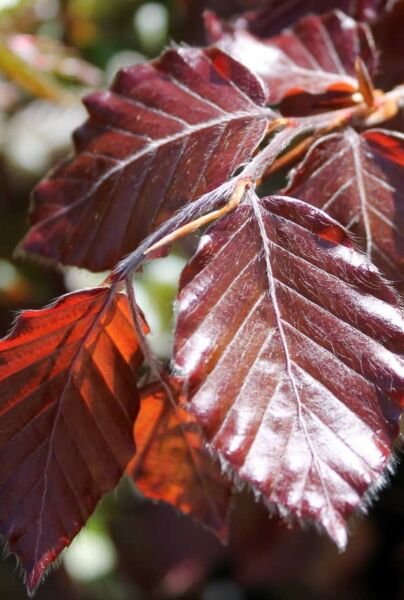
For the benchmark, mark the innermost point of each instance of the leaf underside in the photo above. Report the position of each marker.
(289, 344)
(357, 179)
(68, 401)
(172, 464)
(316, 55)
(165, 133)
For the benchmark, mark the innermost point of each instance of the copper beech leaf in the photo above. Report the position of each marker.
(316, 55)
(289, 345)
(67, 406)
(358, 180)
(278, 15)
(165, 133)
(172, 464)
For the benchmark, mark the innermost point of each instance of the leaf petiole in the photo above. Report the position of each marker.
(242, 186)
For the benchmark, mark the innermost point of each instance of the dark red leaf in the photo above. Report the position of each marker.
(358, 180)
(172, 464)
(166, 133)
(68, 403)
(279, 14)
(290, 349)
(316, 55)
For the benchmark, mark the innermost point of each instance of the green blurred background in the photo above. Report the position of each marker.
(51, 53)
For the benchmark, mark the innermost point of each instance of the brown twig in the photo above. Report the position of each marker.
(239, 191)
(272, 159)
(383, 106)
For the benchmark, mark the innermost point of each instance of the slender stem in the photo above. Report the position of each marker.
(156, 370)
(272, 158)
(242, 186)
(377, 108)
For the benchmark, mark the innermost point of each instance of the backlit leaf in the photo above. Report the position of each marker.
(166, 133)
(358, 179)
(172, 464)
(67, 406)
(290, 345)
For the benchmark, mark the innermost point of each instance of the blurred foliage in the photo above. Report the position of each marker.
(51, 52)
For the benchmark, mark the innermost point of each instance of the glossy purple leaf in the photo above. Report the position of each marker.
(166, 133)
(290, 348)
(316, 55)
(358, 179)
